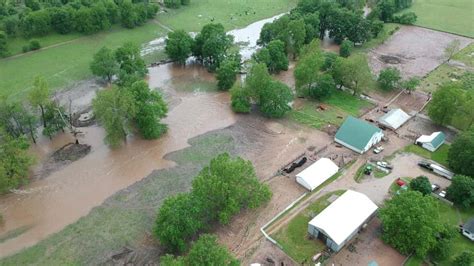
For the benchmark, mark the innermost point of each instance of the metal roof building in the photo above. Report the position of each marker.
(317, 173)
(394, 119)
(358, 135)
(342, 220)
(431, 142)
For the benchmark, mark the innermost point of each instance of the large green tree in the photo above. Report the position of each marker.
(211, 45)
(461, 154)
(352, 72)
(17, 119)
(55, 117)
(445, 103)
(257, 80)
(307, 71)
(179, 218)
(104, 64)
(115, 109)
(461, 191)
(274, 56)
(240, 99)
(275, 99)
(207, 251)
(389, 78)
(227, 73)
(179, 46)
(421, 184)
(410, 223)
(129, 60)
(39, 97)
(227, 186)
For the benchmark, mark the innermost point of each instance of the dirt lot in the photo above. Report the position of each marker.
(413, 50)
(368, 247)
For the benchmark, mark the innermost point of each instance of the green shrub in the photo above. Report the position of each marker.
(35, 45)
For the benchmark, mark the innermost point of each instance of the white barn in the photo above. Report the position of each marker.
(394, 119)
(341, 221)
(317, 173)
(431, 142)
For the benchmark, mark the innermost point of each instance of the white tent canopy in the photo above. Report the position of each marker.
(344, 216)
(317, 173)
(394, 119)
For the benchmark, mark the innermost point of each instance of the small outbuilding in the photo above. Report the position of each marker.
(358, 135)
(468, 229)
(320, 171)
(394, 119)
(341, 220)
(431, 142)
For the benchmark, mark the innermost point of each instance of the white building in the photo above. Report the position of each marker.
(341, 221)
(394, 119)
(317, 173)
(431, 142)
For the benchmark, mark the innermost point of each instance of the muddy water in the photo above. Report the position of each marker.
(48, 205)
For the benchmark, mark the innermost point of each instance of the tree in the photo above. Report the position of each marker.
(151, 108)
(465, 259)
(170, 260)
(275, 99)
(114, 108)
(408, 18)
(461, 191)
(211, 45)
(297, 35)
(387, 9)
(14, 161)
(55, 119)
(410, 84)
(129, 60)
(240, 99)
(307, 70)
(227, 73)
(3, 44)
(421, 184)
(62, 19)
(353, 72)
(35, 45)
(179, 218)
(324, 87)
(11, 26)
(329, 59)
(444, 103)
(17, 120)
(274, 56)
(36, 23)
(104, 64)
(451, 49)
(172, 3)
(206, 251)
(227, 186)
(410, 223)
(444, 245)
(39, 97)
(461, 154)
(179, 46)
(346, 48)
(257, 80)
(389, 78)
(128, 16)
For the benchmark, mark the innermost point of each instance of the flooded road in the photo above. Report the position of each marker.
(48, 205)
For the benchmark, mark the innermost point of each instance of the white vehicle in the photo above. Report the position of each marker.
(384, 165)
(442, 194)
(378, 149)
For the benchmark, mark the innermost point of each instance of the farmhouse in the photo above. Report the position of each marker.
(431, 142)
(317, 173)
(468, 229)
(394, 119)
(358, 135)
(342, 220)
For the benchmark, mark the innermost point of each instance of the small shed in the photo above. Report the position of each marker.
(341, 221)
(468, 229)
(320, 171)
(358, 135)
(431, 142)
(394, 119)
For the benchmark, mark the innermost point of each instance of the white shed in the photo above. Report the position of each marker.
(342, 220)
(394, 119)
(317, 173)
(431, 142)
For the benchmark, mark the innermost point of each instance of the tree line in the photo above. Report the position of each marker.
(35, 18)
(220, 191)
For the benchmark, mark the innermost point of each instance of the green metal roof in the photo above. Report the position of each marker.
(356, 133)
(438, 140)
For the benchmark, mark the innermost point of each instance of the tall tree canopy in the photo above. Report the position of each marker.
(421, 184)
(445, 103)
(179, 46)
(352, 72)
(211, 45)
(461, 191)
(104, 64)
(461, 154)
(207, 251)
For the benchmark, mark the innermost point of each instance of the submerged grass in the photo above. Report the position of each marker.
(126, 218)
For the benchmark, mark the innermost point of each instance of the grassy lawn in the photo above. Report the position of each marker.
(231, 13)
(66, 64)
(440, 155)
(377, 173)
(127, 218)
(339, 106)
(453, 16)
(394, 187)
(294, 236)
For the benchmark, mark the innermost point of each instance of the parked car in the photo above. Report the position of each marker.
(384, 165)
(425, 165)
(434, 187)
(378, 149)
(442, 194)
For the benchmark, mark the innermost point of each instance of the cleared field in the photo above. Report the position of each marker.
(455, 16)
(294, 236)
(127, 218)
(338, 107)
(231, 13)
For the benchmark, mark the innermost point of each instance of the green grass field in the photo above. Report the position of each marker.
(455, 16)
(440, 155)
(339, 106)
(294, 236)
(127, 218)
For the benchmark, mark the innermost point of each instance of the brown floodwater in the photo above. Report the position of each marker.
(49, 204)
